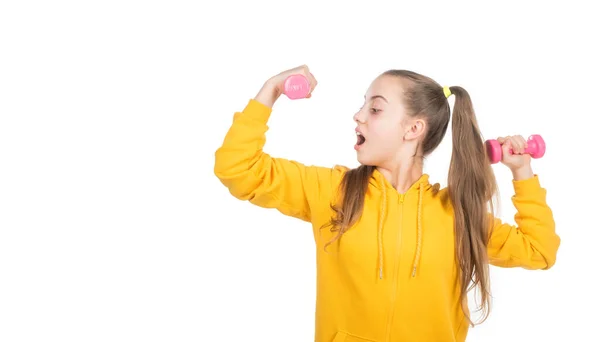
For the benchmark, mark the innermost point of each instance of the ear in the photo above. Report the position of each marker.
(415, 129)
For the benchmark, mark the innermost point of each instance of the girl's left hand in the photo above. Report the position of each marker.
(518, 159)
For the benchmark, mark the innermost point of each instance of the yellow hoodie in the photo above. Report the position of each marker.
(392, 276)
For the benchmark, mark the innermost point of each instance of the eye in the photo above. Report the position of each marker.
(375, 110)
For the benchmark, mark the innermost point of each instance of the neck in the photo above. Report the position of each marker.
(403, 175)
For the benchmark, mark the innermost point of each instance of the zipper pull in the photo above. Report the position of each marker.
(401, 198)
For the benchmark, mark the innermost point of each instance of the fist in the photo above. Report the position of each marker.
(518, 158)
(277, 81)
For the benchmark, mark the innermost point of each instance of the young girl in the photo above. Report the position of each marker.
(396, 255)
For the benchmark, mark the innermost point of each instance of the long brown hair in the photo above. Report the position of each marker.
(471, 181)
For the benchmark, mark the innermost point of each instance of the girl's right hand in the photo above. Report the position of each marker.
(273, 88)
(278, 80)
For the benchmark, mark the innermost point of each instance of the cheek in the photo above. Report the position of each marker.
(388, 137)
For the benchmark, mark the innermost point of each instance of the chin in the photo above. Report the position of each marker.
(365, 160)
(372, 159)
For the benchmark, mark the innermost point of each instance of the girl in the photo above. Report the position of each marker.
(396, 255)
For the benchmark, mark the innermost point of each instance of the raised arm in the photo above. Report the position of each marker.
(532, 243)
(251, 174)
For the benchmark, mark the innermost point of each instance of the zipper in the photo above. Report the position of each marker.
(395, 277)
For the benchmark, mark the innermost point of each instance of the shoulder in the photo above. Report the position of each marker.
(441, 196)
(338, 172)
(341, 168)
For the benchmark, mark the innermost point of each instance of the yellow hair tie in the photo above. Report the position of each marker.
(447, 92)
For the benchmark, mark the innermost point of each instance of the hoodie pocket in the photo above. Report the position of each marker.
(343, 336)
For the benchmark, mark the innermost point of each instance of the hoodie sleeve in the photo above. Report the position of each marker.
(252, 175)
(533, 242)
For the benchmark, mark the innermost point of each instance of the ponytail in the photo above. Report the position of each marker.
(471, 186)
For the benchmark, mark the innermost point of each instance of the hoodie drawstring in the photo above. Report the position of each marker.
(419, 232)
(380, 230)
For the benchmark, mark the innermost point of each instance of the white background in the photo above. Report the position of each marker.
(113, 226)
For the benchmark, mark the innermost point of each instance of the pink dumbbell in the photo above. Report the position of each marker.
(296, 87)
(536, 147)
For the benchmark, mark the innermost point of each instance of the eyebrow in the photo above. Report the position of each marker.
(377, 96)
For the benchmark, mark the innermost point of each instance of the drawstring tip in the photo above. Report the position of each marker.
(414, 271)
(380, 273)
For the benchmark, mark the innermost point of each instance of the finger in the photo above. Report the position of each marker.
(302, 70)
(501, 140)
(523, 142)
(506, 147)
(312, 80)
(514, 145)
(518, 144)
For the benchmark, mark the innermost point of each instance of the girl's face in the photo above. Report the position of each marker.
(382, 123)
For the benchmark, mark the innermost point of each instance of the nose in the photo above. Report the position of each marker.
(359, 117)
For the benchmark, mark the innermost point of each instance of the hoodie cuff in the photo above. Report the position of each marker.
(528, 185)
(256, 110)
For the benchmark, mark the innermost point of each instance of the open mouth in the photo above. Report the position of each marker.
(360, 139)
